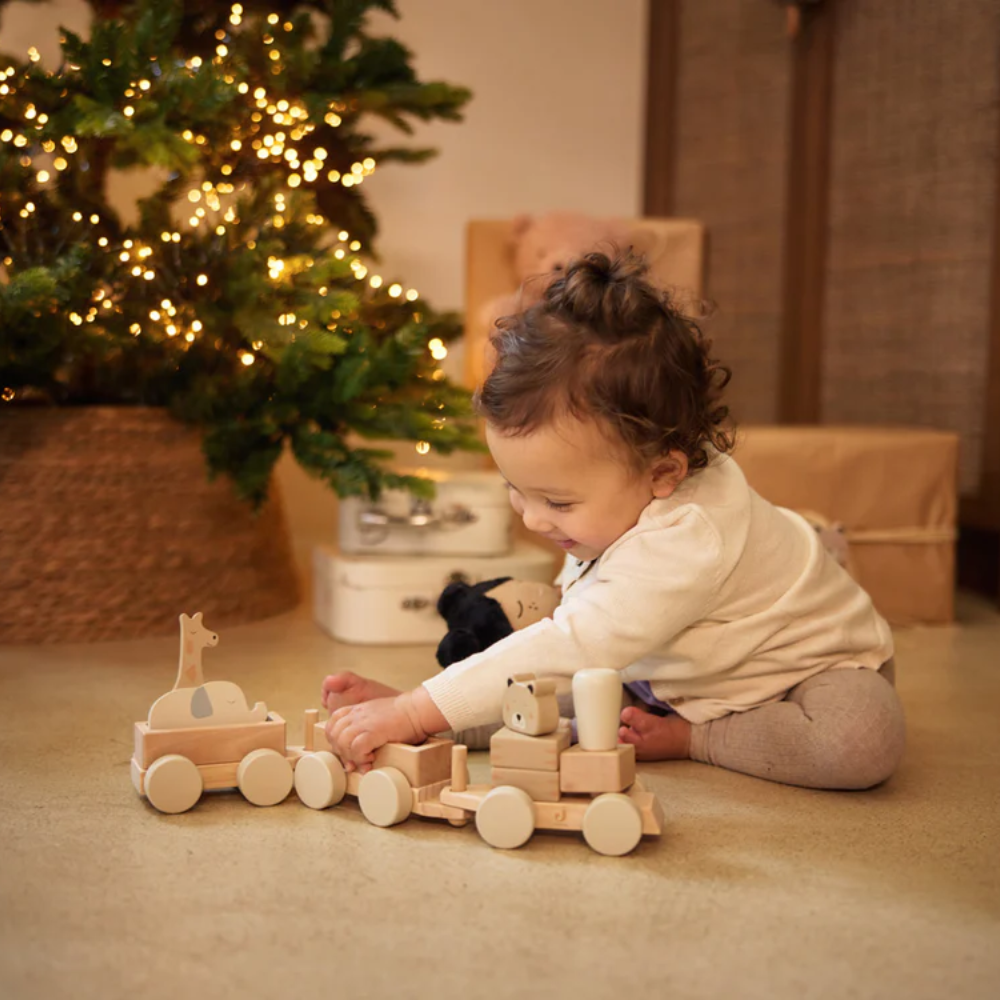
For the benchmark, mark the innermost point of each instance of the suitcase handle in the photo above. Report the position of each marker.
(375, 523)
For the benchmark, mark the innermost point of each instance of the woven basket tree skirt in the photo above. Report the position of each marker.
(109, 529)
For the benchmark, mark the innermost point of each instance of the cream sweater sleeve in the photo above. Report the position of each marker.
(652, 583)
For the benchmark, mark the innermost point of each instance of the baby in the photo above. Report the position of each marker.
(740, 641)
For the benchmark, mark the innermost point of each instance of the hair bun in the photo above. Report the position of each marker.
(609, 294)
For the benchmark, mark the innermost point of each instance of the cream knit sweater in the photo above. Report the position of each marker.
(718, 598)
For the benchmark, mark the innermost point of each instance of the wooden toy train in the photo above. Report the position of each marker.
(202, 736)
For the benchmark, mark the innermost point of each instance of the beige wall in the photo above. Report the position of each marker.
(556, 121)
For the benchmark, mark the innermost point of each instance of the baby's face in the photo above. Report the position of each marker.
(569, 484)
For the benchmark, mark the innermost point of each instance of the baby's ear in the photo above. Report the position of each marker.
(667, 473)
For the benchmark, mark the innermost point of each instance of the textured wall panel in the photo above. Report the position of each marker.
(913, 182)
(731, 142)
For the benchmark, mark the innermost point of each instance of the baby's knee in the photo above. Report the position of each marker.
(869, 745)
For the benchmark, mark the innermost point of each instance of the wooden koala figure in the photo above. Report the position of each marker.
(530, 705)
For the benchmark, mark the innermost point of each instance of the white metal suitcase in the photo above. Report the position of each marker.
(470, 515)
(388, 600)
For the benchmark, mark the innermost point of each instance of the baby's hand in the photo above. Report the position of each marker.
(355, 732)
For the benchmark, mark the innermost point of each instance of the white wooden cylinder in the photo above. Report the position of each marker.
(597, 701)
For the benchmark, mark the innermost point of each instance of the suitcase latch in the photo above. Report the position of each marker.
(375, 524)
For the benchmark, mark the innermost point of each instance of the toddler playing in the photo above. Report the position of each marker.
(740, 641)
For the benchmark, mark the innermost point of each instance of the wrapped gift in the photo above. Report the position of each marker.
(894, 491)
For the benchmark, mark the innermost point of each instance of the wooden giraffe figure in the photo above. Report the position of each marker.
(194, 638)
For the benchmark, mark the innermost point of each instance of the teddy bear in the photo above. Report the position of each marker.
(480, 614)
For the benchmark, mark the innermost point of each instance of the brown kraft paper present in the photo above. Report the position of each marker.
(893, 489)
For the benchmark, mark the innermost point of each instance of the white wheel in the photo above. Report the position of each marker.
(385, 796)
(264, 777)
(173, 783)
(612, 824)
(506, 817)
(320, 780)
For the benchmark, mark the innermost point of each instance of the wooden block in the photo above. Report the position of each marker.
(542, 786)
(593, 771)
(423, 765)
(530, 705)
(534, 753)
(209, 744)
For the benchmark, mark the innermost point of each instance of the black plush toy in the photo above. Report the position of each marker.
(480, 614)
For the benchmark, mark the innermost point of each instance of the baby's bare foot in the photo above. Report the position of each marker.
(655, 737)
(350, 689)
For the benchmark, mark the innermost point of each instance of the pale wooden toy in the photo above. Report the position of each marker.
(530, 705)
(597, 698)
(404, 780)
(595, 791)
(531, 776)
(203, 736)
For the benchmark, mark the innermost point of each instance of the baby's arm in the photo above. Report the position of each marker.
(356, 731)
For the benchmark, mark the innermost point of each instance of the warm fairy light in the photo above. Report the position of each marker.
(294, 181)
(227, 169)
(339, 254)
(189, 337)
(332, 119)
(7, 395)
(154, 314)
(95, 218)
(144, 84)
(124, 255)
(30, 112)
(236, 144)
(171, 330)
(220, 230)
(273, 19)
(333, 175)
(103, 241)
(438, 351)
(221, 51)
(274, 54)
(195, 62)
(395, 290)
(34, 55)
(412, 295)
(355, 245)
(105, 62)
(128, 111)
(202, 279)
(149, 275)
(360, 272)
(77, 217)
(20, 141)
(135, 329)
(6, 135)
(42, 176)
(194, 221)
(196, 326)
(422, 447)
(76, 319)
(243, 87)
(247, 358)
(59, 163)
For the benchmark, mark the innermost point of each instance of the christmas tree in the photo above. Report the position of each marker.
(246, 298)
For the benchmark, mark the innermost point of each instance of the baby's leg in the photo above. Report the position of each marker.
(839, 729)
(350, 689)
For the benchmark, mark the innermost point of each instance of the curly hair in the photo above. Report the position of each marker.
(605, 343)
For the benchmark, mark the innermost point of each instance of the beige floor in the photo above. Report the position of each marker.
(756, 890)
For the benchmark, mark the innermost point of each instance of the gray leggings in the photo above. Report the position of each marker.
(841, 729)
